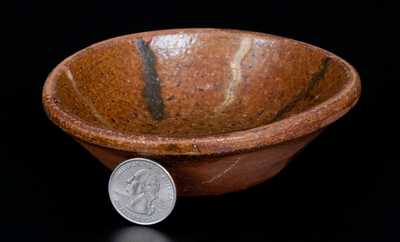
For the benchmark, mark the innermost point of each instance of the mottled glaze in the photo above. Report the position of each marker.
(221, 109)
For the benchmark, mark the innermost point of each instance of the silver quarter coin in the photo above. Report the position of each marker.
(142, 191)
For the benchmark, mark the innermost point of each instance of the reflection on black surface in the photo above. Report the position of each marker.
(138, 234)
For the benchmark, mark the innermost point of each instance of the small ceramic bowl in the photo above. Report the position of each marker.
(222, 110)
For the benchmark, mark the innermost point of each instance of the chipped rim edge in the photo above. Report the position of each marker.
(286, 129)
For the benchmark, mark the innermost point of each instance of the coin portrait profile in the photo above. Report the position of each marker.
(143, 188)
(142, 191)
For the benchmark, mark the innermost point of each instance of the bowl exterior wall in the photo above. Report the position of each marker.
(216, 174)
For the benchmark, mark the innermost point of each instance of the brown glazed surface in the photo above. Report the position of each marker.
(222, 110)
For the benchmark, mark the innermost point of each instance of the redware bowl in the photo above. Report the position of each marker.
(222, 110)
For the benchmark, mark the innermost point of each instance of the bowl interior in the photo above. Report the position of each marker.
(195, 83)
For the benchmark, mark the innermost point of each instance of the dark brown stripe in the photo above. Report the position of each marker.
(315, 78)
(152, 89)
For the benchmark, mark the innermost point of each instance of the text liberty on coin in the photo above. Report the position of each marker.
(142, 191)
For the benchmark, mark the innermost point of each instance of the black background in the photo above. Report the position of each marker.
(342, 187)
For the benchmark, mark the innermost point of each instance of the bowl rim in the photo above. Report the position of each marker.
(292, 127)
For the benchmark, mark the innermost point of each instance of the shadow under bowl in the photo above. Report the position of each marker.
(222, 110)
